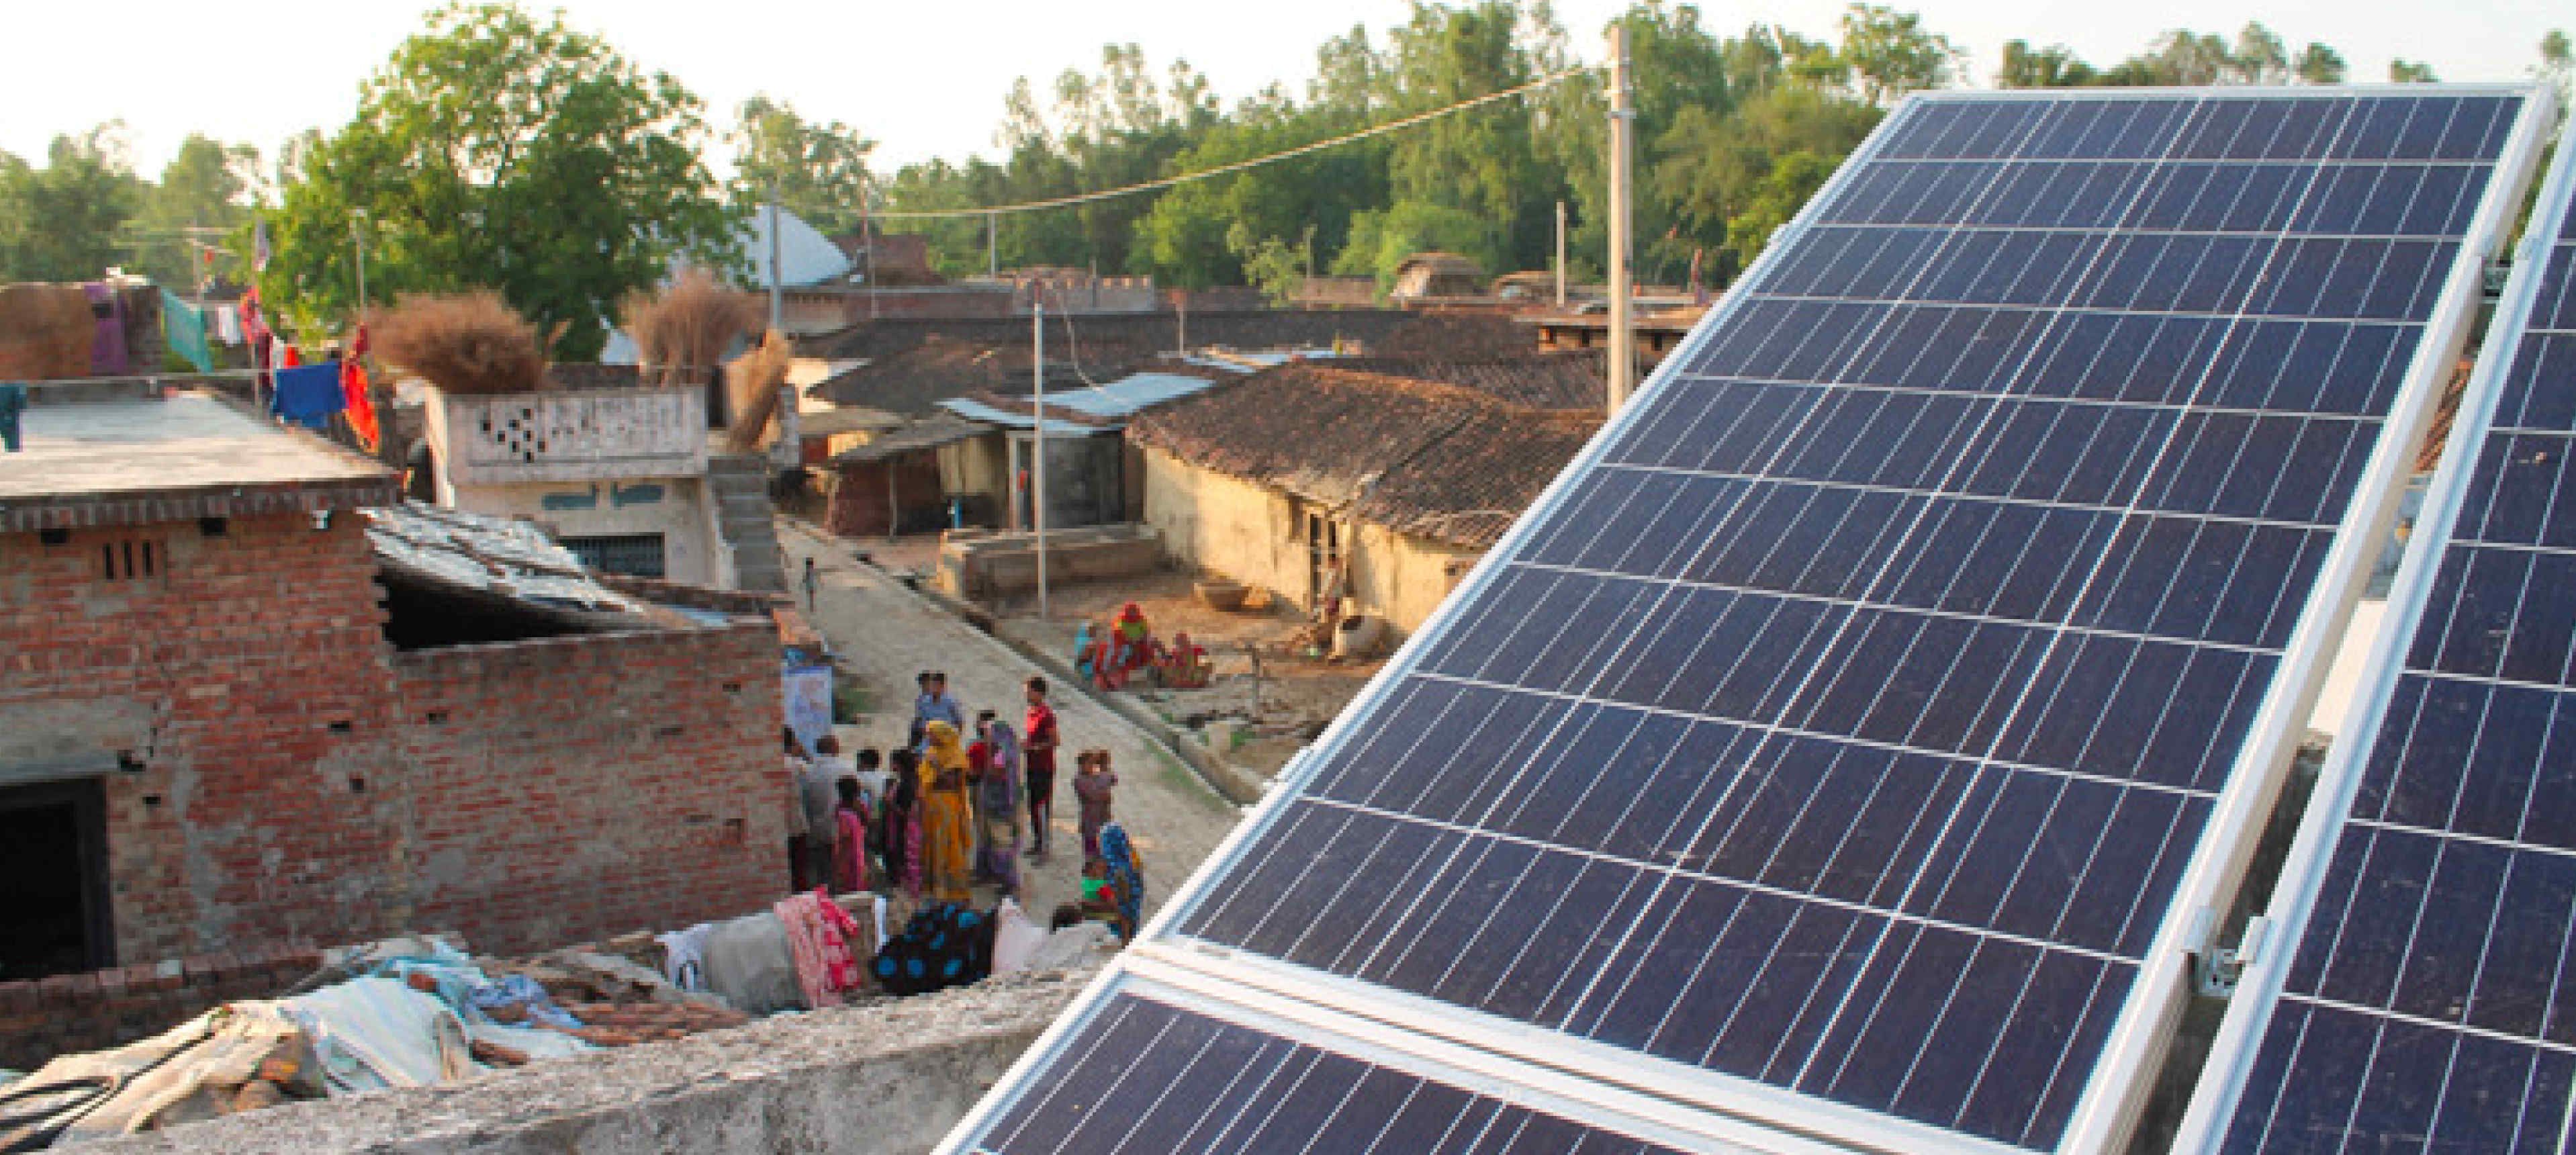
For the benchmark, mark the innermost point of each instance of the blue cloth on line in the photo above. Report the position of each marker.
(310, 394)
(13, 401)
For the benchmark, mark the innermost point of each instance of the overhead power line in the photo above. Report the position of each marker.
(1237, 166)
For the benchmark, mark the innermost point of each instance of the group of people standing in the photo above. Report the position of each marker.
(949, 811)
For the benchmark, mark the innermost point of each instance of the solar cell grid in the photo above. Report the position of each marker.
(1150, 1078)
(2426, 1002)
(1865, 703)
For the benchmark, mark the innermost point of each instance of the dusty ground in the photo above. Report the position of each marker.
(1297, 695)
(886, 634)
(911, 553)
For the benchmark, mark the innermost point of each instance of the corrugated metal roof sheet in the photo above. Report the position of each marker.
(488, 553)
(973, 410)
(1129, 394)
(931, 433)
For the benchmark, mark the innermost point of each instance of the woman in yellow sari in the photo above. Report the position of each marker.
(947, 830)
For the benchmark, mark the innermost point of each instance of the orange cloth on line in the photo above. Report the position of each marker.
(947, 819)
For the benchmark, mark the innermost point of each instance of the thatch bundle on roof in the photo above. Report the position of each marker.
(45, 332)
(463, 343)
(681, 332)
(755, 381)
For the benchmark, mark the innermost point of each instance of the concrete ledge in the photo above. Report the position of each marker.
(890, 1077)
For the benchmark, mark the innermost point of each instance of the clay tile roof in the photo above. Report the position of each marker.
(1442, 461)
(1569, 380)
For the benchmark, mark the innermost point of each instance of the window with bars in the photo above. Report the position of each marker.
(131, 559)
(632, 554)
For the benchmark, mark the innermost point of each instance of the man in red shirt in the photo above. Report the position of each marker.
(1037, 749)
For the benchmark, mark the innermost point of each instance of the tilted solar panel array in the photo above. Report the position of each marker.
(1863, 704)
(2429, 1003)
(1145, 1077)
(1831, 740)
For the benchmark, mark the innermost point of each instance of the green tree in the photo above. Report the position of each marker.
(2258, 58)
(1680, 65)
(204, 195)
(821, 169)
(2403, 71)
(62, 222)
(1380, 241)
(1481, 166)
(1891, 53)
(2558, 66)
(1738, 177)
(1782, 191)
(2055, 66)
(1270, 263)
(2318, 64)
(2178, 57)
(497, 151)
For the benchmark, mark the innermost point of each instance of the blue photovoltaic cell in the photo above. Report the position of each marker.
(1144, 1077)
(2428, 1004)
(1847, 727)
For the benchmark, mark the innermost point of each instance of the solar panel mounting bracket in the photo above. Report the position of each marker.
(2214, 971)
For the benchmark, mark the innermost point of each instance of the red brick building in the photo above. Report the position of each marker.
(211, 740)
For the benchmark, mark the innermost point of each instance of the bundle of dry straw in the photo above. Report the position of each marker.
(45, 332)
(681, 332)
(462, 342)
(754, 382)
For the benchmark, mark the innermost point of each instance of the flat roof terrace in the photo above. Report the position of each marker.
(131, 460)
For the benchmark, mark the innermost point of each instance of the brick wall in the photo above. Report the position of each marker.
(67, 1014)
(573, 788)
(254, 665)
(299, 782)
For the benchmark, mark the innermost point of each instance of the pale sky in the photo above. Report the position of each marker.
(927, 79)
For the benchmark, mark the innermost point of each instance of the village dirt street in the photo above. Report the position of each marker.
(888, 634)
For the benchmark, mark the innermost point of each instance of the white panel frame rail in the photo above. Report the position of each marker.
(2294, 897)
(1740, 1114)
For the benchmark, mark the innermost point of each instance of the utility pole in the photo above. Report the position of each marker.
(868, 242)
(1037, 468)
(1623, 118)
(358, 237)
(777, 305)
(1560, 254)
(993, 246)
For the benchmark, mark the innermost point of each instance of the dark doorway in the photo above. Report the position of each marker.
(53, 851)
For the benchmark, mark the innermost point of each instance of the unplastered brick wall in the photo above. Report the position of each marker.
(242, 664)
(578, 787)
(68, 1014)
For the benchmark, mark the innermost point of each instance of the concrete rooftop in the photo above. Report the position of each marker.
(166, 459)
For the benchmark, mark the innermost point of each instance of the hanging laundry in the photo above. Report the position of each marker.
(309, 395)
(255, 330)
(13, 401)
(185, 329)
(353, 390)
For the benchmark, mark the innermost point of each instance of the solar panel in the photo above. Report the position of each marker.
(1848, 731)
(2419, 996)
(1146, 1076)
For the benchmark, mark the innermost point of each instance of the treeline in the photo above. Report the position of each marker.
(87, 210)
(499, 149)
(1735, 132)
